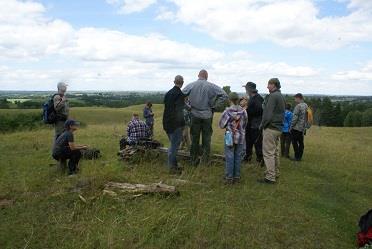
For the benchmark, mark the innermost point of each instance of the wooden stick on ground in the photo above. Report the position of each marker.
(118, 187)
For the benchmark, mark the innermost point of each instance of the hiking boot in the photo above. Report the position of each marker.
(236, 179)
(265, 181)
(295, 159)
(229, 181)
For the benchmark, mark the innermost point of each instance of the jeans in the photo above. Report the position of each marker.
(233, 160)
(175, 139)
(285, 143)
(298, 143)
(73, 155)
(253, 137)
(203, 127)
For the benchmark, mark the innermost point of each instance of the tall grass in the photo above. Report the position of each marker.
(316, 204)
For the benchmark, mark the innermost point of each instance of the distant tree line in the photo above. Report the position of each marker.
(339, 113)
(86, 100)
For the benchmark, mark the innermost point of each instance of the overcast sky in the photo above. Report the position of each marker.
(312, 46)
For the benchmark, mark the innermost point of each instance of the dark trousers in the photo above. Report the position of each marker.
(253, 137)
(73, 156)
(298, 143)
(201, 127)
(285, 143)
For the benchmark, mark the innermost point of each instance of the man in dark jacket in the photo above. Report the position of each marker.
(272, 125)
(173, 121)
(253, 135)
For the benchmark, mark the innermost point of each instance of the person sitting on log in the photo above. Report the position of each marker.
(137, 130)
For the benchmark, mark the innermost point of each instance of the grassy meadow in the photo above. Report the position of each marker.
(316, 203)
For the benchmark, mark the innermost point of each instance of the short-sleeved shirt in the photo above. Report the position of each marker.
(62, 142)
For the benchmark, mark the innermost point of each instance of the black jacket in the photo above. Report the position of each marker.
(254, 111)
(174, 104)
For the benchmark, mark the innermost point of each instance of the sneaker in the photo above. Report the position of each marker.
(265, 181)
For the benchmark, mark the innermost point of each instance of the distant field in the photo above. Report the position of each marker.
(316, 204)
(19, 100)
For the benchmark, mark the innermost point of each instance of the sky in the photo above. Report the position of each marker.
(312, 46)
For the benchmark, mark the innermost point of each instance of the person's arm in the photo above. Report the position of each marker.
(128, 130)
(223, 120)
(295, 117)
(73, 146)
(187, 89)
(268, 112)
(59, 102)
(146, 113)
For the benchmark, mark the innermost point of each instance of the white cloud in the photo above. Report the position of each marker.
(362, 74)
(26, 33)
(131, 6)
(104, 59)
(284, 22)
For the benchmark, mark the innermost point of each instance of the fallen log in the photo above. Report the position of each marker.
(117, 187)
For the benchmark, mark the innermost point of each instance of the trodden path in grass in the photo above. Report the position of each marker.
(316, 203)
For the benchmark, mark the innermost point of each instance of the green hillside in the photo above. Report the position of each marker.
(316, 204)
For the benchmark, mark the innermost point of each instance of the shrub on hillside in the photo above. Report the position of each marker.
(13, 122)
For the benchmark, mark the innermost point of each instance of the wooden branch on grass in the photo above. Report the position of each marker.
(117, 188)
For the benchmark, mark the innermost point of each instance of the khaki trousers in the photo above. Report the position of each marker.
(271, 154)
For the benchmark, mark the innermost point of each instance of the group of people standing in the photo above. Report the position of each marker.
(249, 122)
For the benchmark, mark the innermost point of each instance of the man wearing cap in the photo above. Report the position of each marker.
(253, 135)
(204, 97)
(61, 107)
(174, 122)
(298, 126)
(65, 147)
(272, 125)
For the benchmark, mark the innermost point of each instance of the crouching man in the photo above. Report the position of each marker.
(66, 149)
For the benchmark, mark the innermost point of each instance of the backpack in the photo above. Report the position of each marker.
(90, 154)
(309, 118)
(49, 113)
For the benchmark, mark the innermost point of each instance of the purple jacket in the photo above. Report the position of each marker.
(235, 119)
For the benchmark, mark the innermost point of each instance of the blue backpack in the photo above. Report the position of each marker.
(49, 113)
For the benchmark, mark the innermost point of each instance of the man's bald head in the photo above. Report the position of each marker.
(178, 81)
(203, 74)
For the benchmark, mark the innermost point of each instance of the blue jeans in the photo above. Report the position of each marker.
(175, 139)
(233, 158)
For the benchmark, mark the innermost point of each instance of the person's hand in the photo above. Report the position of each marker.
(63, 98)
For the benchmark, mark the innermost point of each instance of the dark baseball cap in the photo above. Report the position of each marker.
(71, 122)
(299, 95)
